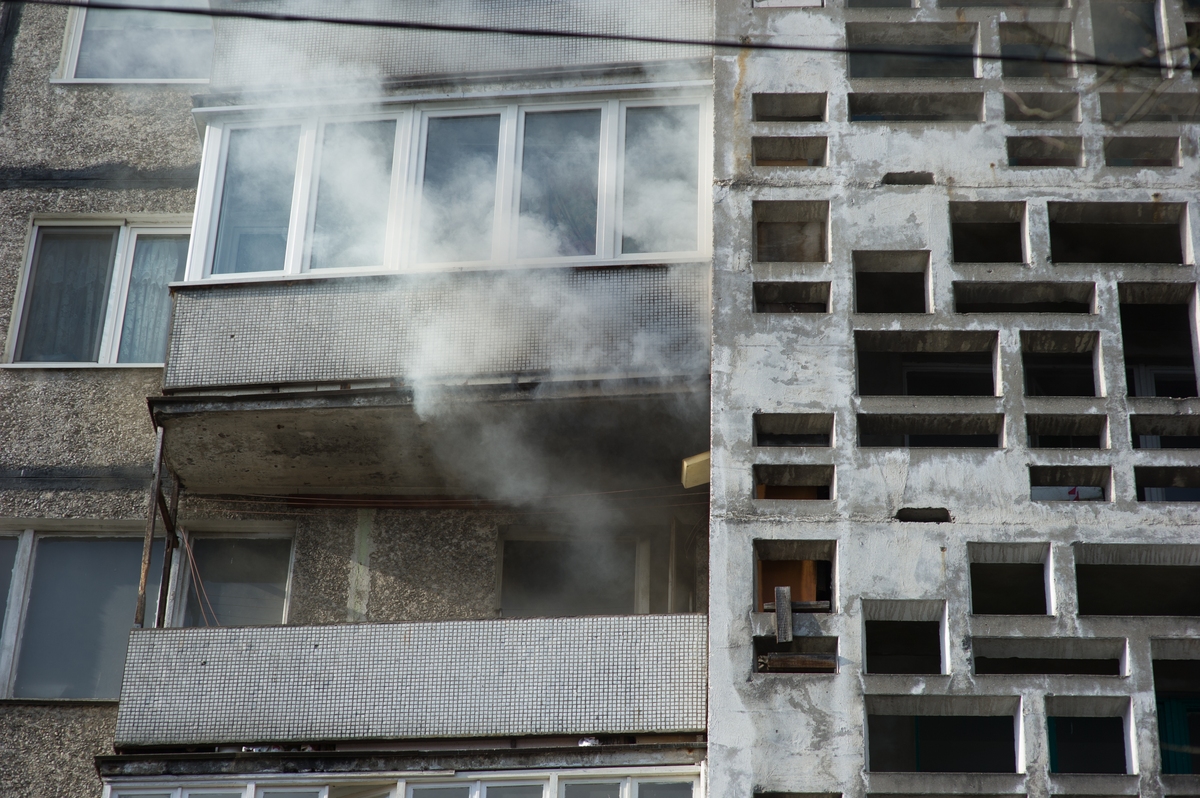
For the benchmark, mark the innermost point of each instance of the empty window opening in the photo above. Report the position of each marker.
(1177, 698)
(1193, 36)
(879, 4)
(789, 107)
(1165, 432)
(803, 566)
(1126, 31)
(793, 429)
(904, 647)
(1070, 483)
(1020, 656)
(1087, 733)
(890, 282)
(924, 515)
(907, 179)
(800, 655)
(1167, 483)
(1136, 106)
(1116, 232)
(789, 151)
(1059, 363)
(1037, 50)
(913, 107)
(912, 50)
(1142, 151)
(1002, 4)
(1066, 432)
(988, 232)
(790, 231)
(1156, 334)
(791, 296)
(925, 431)
(941, 743)
(1008, 578)
(793, 482)
(1123, 580)
(1044, 150)
(1023, 297)
(1024, 106)
(944, 363)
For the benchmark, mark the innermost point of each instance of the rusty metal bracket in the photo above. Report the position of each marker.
(157, 505)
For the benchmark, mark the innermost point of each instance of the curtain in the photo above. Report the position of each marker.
(68, 296)
(157, 260)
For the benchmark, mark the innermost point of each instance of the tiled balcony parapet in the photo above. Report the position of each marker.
(642, 321)
(486, 678)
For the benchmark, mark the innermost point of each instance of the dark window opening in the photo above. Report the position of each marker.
(907, 179)
(1125, 31)
(987, 232)
(1130, 106)
(904, 647)
(1052, 666)
(800, 655)
(791, 297)
(810, 581)
(913, 50)
(924, 515)
(1069, 483)
(1142, 151)
(1177, 697)
(1167, 484)
(793, 482)
(1044, 48)
(1170, 590)
(1157, 340)
(1045, 150)
(1023, 297)
(789, 151)
(1016, 588)
(790, 231)
(919, 431)
(789, 107)
(793, 429)
(890, 282)
(560, 577)
(1116, 232)
(1002, 4)
(925, 374)
(1059, 363)
(1087, 745)
(915, 107)
(1165, 432)
(1022, 106)
(1065, 432)
(1031, 656)
(941, 744)
(878, 3)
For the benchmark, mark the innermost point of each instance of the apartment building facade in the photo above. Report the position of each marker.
(390, 342)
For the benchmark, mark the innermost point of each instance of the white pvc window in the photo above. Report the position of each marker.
(139, 46)
(438, 187)
(99, 294)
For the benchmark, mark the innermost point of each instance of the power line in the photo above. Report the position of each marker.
(720, 44)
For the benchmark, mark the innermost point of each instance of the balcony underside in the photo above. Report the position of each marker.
(634, 674)
(505, 443)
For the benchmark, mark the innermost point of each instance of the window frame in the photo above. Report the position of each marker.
(15, 615)
(554, 782)
(129, 229)
(405, 188)
(69, 60)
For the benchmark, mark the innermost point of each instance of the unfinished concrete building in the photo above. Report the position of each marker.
(954, 537)
(390, 342)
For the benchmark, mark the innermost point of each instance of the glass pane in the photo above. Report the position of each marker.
(516, 791)
(80, 612)
(664, 789)
(157, 261)
(441, 792)
(68, 295)
(662, 174)
(352, 194)
(458, 197)
(290, 793)
(612, 790)
(213, 794)
(8, 557)
(257, 200)
(146, 45)
(237, 582)
(560, 173)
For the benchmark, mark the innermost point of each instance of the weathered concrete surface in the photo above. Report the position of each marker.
(47, 751)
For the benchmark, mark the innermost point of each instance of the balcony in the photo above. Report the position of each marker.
(489, 678)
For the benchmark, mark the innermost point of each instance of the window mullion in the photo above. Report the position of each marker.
(293, 259)
(398, 195)
(606, 223)
(504, 223)
(202, 249)
(18, 592)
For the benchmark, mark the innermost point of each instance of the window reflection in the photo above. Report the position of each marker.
(458, 194)
(352, 194)
(260, 170)
(560, 169)
(660, 205)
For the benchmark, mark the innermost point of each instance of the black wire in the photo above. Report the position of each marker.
(449, 27)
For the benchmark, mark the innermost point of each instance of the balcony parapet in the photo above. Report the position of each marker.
(639, 674)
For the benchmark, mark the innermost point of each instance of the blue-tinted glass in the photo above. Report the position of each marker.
(8, 556)
(146, 45)
(256, 201)
(157, 261)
